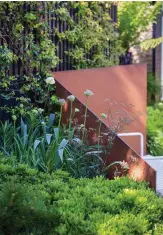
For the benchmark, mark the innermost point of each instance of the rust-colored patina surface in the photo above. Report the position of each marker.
(123, 84)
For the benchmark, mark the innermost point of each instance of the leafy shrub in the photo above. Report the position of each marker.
(89, 31)
(132, 20)
(155, 130)
(37, 203)
(153, 87)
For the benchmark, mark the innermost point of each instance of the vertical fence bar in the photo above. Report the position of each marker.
(66, 62)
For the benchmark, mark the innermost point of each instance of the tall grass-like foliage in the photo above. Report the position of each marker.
(48, 148)
(38, 142)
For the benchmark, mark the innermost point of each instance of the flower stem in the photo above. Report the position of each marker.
(14, 129)
(85, 117)
(70, 121)
(99, 135)
(59, 124)
(46, 101)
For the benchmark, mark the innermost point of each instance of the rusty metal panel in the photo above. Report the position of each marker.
(125, 84)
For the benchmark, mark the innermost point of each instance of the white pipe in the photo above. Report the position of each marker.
(141, 140)
(149, 157)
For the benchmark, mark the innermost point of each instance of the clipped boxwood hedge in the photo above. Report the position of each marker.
(37, 203)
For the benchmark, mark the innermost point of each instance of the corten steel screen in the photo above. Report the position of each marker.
(125, 84)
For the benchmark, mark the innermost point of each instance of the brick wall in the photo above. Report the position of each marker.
(151, 57)
(140, 56)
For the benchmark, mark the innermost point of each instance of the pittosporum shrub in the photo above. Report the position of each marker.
(32, 202)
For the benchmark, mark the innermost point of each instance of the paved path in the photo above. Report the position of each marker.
(157, 164)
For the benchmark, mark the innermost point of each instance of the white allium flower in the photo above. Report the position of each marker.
(35, 111)
(71, 98)
(124, 165)
(50, 80)
(88, 93)
(43, 123)
(103, 115)
(81, 125)
(14, 117)
(40, 110)
(77, 110)
(62, 102)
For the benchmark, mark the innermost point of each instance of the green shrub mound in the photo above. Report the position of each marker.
(155, 130)
(32, 202)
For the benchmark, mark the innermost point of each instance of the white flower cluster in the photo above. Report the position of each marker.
(50, 81)
(124, 165)
(71, 98)
(76, 110)
(88, 93)
(62, 102)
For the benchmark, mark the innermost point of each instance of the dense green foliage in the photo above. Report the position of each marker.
(155, 130)
(39, 203)
(27, 37)
(47, 146)
(153, 87)
(133, 18)
(43, 146)
(151, 43)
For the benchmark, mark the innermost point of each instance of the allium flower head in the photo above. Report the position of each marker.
(14, 118)
(50, 80)
(88, 93)
(71, 98)
(62, 102)
(103, 115)
(77, 110)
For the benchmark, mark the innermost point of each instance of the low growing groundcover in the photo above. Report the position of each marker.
(38, 203)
